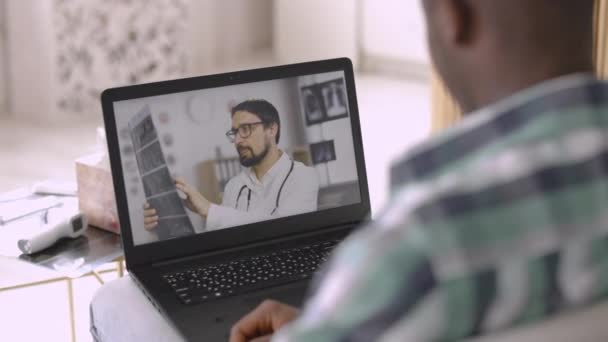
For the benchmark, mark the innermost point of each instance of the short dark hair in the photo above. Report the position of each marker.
(264, 110)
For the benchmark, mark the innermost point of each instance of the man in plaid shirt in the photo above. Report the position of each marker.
(498, 222)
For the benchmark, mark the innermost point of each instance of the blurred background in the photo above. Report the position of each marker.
(57, 56)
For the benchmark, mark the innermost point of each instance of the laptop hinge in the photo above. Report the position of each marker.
(337, 229)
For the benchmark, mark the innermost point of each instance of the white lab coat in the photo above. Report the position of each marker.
(299, 195)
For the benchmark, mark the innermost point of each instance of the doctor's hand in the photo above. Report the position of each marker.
(195, 201)
(263, 321)
(150, 217)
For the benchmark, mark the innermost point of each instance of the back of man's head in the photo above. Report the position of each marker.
(488, 49)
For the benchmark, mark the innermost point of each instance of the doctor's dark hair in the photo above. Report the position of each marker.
(264, 110)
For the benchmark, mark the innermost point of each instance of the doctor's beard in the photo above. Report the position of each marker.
(253, 159)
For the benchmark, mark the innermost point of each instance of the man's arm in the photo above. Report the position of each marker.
(375, 279)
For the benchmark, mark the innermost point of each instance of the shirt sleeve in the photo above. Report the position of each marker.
(375, 281)
(299, 195)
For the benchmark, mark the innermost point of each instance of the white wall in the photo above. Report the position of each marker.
(202, 36)
(315, 29)
(30, 53)
(394, 29)
(228, 32)
(243, 27)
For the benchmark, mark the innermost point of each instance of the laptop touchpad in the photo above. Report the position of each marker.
(293, 295)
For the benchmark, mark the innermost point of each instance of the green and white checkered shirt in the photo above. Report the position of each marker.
(501, 221)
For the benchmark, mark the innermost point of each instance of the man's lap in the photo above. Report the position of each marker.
(121, 312)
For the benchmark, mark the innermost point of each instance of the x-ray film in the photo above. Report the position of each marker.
(158, 185)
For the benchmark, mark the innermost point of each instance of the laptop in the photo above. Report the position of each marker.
(234, 188)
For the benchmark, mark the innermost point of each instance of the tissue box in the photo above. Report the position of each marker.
(96, 192)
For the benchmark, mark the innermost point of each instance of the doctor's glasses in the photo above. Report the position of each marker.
(244, 131)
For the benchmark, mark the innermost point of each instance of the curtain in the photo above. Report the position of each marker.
(3, 62)
(601, 38)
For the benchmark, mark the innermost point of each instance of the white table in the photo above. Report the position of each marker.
(63, 262)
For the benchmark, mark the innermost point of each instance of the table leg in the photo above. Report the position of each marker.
(98, 277)
(121, 269)
(71, 303)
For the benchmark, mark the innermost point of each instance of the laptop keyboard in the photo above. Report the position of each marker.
(201, 284)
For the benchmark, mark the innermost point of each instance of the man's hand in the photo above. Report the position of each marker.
(150, 217)
(263, 321)
(195, 201)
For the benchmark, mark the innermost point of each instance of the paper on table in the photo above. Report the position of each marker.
(17, 194)
(55, 187)
(11, 211)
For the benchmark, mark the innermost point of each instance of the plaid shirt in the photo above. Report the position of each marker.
(500, 221)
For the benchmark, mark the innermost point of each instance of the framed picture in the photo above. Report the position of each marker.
(323, 152)
(324, 101)
(334, 98)
(312, 101)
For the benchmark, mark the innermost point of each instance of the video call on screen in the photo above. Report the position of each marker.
(182, 137)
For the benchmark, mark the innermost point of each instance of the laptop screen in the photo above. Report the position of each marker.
(219, 158)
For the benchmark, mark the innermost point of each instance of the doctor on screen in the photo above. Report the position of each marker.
(270, 185)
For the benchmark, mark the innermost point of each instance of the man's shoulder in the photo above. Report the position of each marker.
(301, 167)
(544, 113)
(302, 171)
(303, 177)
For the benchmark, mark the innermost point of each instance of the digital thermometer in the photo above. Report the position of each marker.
(60, 223)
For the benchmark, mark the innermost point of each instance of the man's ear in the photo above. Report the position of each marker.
(456, 18)
(274, 129)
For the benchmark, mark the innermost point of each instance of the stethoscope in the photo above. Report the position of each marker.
(238, 197)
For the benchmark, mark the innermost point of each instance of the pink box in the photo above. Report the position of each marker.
(96, 192)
